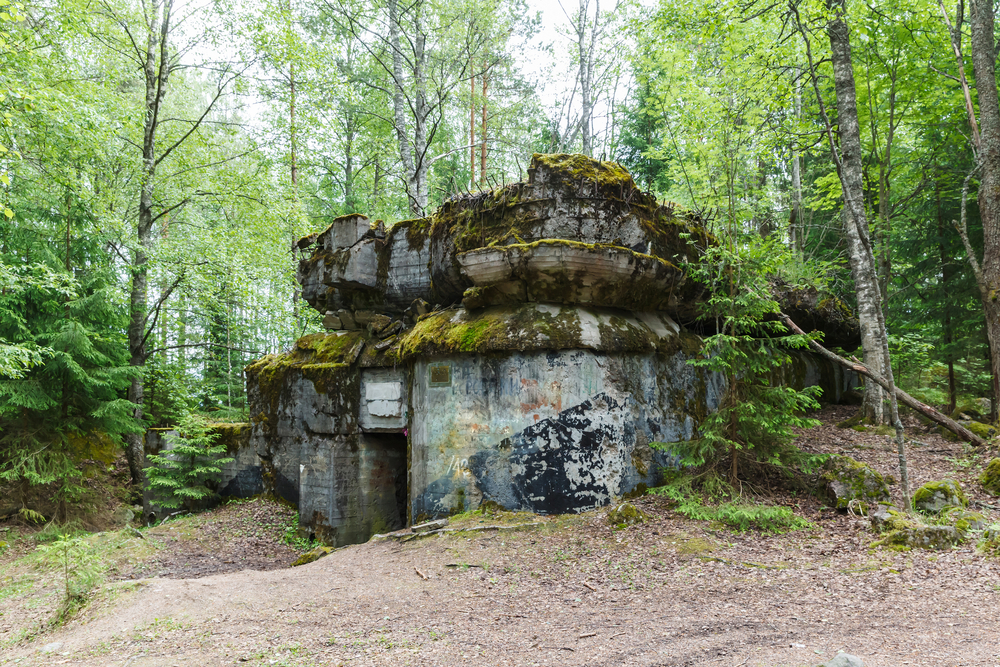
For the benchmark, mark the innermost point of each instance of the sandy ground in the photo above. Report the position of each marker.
(572, 591)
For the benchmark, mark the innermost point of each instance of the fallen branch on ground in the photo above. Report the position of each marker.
(906, 399)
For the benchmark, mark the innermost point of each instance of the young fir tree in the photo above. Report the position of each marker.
(185, 472)
(754, 421)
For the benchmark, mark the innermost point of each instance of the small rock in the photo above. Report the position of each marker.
(312, 555)
(391, 330)
(378, 323)
(918, 536)
(385, 343)
(984, 431)
(626, 514)
(933, 497)
(363, 317)
(331, 321)
(843, 660)
(420, 307)
(964, 520)
(51, 648)
(123, 515)
(881, 517)
(850, 483)
(990, 479)
(429, 526)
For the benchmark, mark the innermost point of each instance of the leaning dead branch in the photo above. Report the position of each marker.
(908, 400)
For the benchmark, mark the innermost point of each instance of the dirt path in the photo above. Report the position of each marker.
(574, 592)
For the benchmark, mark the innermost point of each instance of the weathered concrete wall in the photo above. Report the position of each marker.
(547, 431)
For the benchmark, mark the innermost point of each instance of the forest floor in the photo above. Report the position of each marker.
(565, 590)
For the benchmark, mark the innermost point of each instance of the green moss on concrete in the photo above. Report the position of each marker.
(990, 479)
(523, 327)
(508, 214)
(233, 436)
(586, 170)
(325, 359)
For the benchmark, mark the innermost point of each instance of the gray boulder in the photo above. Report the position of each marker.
(933, 497)
(847, 481)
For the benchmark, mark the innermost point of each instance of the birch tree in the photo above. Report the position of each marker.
(846, 156)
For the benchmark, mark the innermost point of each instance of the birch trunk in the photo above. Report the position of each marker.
(399, 101)
(855, 224)
(848, 162)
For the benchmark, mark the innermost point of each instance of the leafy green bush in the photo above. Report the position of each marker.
(185, 471)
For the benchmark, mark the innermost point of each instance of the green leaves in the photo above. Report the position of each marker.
(190, 465)
(755, 419)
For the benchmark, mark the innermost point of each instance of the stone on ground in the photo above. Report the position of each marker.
(847, 481)
(843, 660)
(990, 479)
(933, 497)
(312, 555)
(626, 514)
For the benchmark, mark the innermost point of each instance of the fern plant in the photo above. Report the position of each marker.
(187, 470)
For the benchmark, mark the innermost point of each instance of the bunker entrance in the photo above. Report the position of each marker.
(389, 485)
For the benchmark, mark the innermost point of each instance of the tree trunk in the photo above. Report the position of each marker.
(849, 169)
(981, 19)
(586, 54)
(795, 221)
(482, 151)
(472, 133)
(399, 102)
(855, 224)
(946, 325)
(156, 71)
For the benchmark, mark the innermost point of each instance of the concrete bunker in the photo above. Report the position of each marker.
(523, 345)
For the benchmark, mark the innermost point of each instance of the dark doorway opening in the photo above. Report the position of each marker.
(389, 482)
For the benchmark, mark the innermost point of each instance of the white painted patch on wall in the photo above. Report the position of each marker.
(385, 399)
(383, 391)
(385, 408)
(590, 330)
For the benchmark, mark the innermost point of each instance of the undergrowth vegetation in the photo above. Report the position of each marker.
(711, 498)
